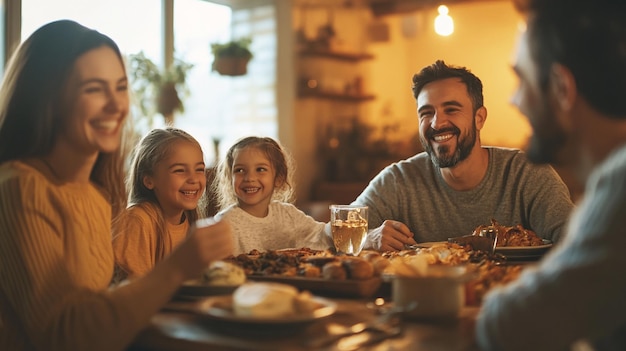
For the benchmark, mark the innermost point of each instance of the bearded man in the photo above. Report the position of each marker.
(458, 184)
(571, 64)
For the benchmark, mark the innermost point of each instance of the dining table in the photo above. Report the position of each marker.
(184, 323)
(181, 326)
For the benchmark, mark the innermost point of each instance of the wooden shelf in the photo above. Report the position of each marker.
(334, 96)
(344, 56)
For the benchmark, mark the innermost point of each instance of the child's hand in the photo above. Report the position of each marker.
(204, 244)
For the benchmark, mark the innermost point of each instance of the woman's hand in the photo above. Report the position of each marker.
(205, 243)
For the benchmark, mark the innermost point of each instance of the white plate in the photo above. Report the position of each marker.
(220, 308)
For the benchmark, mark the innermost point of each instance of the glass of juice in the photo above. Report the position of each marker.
(349, 228)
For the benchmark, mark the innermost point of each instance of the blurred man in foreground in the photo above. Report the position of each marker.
(571, 64)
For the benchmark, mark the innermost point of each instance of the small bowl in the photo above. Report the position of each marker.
(439, 295)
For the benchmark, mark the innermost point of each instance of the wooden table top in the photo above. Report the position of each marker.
(175, 329)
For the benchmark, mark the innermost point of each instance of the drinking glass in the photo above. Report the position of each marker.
(349, 228)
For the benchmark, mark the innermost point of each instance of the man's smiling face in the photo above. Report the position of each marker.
(447, 125)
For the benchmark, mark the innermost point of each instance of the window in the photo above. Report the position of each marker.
(197, 24)
(227, 108)
(112, 17)
(221, 108)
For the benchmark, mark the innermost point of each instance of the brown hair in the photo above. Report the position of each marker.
(440, 70)
(278, 157)
(587, 37)
(30, 117)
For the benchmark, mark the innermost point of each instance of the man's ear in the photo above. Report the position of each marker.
(480, 117)
(562, 86)
(148, 182)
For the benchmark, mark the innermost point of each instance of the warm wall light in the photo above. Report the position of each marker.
(444, 25)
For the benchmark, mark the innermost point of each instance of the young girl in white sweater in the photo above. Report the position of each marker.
(254, 190)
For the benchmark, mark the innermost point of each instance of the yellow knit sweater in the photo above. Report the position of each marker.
(135, 239)
(56, 262)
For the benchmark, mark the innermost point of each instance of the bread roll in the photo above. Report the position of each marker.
(358, 268)
(370, 255)
(334, 271)
(223, 273)
(310, 271)
(380, 263)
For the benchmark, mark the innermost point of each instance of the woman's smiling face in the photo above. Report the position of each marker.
(95, 102)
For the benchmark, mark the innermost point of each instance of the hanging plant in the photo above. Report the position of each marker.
(231, 58)
(157, 90)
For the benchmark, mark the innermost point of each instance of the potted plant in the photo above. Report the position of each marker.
(231, 58)
(157, 90)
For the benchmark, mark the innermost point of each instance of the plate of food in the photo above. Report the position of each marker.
(525, 252)
(320, 272)
(265, 307)
(220, 278)
(510, 241)
(221, 308)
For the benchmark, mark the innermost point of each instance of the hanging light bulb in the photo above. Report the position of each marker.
(444, 25)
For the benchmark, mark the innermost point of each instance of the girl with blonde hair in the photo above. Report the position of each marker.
(166, 184)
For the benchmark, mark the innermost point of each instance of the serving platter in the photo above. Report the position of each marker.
(327, 287)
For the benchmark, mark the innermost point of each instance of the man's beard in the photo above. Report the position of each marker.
(443, 158)
(548, 137)
(544, 149)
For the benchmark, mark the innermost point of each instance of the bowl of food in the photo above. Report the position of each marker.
(437, 290)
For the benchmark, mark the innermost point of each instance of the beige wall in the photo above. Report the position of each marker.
(483, 41)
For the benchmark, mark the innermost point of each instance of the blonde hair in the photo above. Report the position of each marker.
(279, 158)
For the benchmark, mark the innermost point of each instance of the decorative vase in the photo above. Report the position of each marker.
(231, 66)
